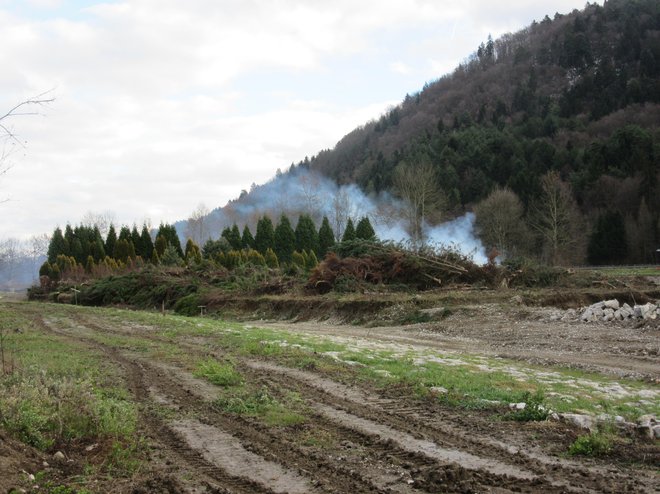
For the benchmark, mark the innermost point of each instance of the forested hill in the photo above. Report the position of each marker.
(578, 94)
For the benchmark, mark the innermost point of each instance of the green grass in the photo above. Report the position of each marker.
(59, 392)
(260, 403)
(469, 384)
(220, 374)
(593, 444)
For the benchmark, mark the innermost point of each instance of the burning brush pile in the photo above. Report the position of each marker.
(357, 264)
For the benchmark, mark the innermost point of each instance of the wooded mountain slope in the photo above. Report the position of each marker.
(578, 95)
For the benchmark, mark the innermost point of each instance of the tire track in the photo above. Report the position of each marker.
(450, 432)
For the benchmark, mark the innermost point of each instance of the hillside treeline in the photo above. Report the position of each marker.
(573, 100)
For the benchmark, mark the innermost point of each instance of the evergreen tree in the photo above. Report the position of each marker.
(169, 232)
(326, 238)
(146, 243)
(45, 268)
(89, 265)
(284, 240)
(349, 232)
(247, 240)
(311, 261)
(271, 259)
(57, 246)
(233, 236)
(68, 236)
(110, 240)
(264, 238)
(607, 244)
(125, 234)
(136, 238)
(160, 245)
(123, 250)
(171, 257)
(77, 250)
(364, 230)
(307, 238)
(193, 254)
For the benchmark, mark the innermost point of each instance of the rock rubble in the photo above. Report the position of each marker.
(611, 310)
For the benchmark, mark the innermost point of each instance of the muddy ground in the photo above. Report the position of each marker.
(360, 438)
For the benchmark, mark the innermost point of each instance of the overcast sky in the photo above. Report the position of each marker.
(163, 104)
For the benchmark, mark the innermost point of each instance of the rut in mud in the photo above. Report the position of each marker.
(354, 439)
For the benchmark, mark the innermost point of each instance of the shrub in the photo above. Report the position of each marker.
(594, 444)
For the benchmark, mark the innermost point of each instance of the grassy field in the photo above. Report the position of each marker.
(61, 391)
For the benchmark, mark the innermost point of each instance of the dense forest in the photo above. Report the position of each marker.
(555, 125)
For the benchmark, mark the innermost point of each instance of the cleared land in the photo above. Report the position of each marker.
(201, 405)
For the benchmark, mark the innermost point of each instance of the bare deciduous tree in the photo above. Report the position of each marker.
(499, 222)
(417, 185)
(101, 220)
(557, 220)
(197, 227)
(10, 140)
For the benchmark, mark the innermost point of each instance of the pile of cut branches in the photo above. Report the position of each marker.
(367, 263)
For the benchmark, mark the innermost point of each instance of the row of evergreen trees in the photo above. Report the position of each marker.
(83, 248)
(84, 241)
(284, 240)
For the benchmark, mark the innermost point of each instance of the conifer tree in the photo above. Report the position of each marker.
(264, 238)
(45, 268)
(364, 230)
(122, 250)
(169, 232)
(125, 234)
(58, 245)
(284, 240)
(146, 243)
(89, 265)
(136, 238)
(111, 240)
(236, 237)
(160, 245)
(312, 261)
(247, 240)
(193, 254)
(271, 259)
(307, 238)
(349, 232)
(326, 238)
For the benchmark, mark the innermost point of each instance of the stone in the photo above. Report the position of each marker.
(517, 406)
(438, 390)
(608, 314)
(59, 456)
(612, 304)
(598, 313)
(587, 315)
(578, 420)
(656, 432)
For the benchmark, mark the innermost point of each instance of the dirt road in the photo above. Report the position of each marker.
(535, 335)
(358, 438)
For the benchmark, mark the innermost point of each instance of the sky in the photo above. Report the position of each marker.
(160, 105)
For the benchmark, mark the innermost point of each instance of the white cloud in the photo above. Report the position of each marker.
(162, 104)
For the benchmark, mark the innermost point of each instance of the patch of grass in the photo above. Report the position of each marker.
(593, 444)
(535, 408)
(61, 391)
(220, 374)
(260, 403)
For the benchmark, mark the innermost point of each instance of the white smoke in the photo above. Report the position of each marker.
(305, 192)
